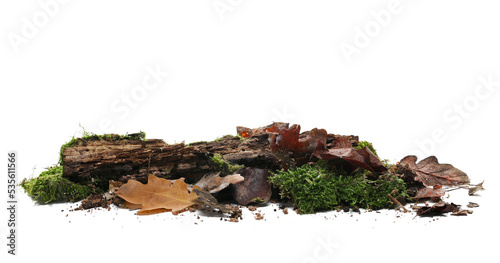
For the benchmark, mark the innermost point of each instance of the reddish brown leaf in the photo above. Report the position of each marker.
(363, 157)
(290, 139)
(430, 172)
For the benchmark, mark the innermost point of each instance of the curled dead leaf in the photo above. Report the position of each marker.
(213, 183)
(363, 157)
(474, 189)
(438, 209)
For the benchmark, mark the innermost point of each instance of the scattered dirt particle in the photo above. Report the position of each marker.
(259, 216)
(285, 211)
(252, 208)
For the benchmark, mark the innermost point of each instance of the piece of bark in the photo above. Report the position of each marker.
(132, 159)
(99, 159)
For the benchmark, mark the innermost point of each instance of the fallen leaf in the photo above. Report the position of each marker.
(363, 157)
(430, 172)
(158, 193)
(290, 139)
(437, 209)
(213, 183)
(254, 188)
(476, 188)
(431, 193)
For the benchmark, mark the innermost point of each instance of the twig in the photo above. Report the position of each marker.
(394, 200)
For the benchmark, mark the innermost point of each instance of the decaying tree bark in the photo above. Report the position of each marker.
(100, 160)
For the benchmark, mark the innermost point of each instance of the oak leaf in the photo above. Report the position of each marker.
(290, 139)
(158, 194)
(430, 172)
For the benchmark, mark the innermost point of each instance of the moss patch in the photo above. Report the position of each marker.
(223, 166)
(50, 186)
(363, 144)
(316, 188)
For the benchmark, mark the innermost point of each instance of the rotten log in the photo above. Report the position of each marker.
(98, 159)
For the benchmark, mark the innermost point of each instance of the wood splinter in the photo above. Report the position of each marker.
(394, 200)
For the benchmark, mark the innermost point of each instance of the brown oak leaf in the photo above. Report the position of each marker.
(158, 193)
(430, 172)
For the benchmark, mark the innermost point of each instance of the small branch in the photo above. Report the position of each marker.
(394, 200)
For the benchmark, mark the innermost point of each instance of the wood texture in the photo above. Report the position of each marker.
(99, 160)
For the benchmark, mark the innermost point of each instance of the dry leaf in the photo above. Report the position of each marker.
(290, 139)
(430, 172)
(213, 183)
(158, 193)
(437, 209)
(363, 157)
(255, 187)
(476, 188)
(432, 193)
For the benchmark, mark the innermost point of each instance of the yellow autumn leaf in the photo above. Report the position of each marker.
(158, 193)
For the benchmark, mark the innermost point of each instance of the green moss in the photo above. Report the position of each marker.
(224, 166)
(243, 139)
(363, 144)
(258, 200)
(315, 188)
(50, 186)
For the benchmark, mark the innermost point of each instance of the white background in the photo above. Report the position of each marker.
(250, 64)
